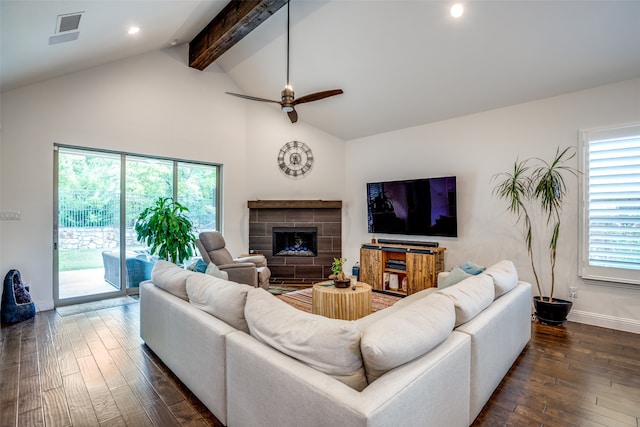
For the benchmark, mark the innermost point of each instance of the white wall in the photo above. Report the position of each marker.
(151, 104)
(268, 130)
(476, 147)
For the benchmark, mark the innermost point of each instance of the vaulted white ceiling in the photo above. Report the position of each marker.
(400, 63)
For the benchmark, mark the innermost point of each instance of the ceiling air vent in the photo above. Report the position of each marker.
(68, 22)
(66, 28)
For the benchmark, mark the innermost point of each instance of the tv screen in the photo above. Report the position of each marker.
(424, 207)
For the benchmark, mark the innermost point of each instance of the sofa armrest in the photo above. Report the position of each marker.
(435, 387)
(257, 260)
(498, 336)
(241, 272)
(189, 341)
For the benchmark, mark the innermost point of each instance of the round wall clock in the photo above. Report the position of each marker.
(295, 159)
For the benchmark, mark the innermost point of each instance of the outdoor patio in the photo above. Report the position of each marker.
(78, 283)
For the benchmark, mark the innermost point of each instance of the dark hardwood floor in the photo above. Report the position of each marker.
(93, 369)
(574, 375)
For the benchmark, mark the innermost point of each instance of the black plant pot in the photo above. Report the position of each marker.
(552, 313)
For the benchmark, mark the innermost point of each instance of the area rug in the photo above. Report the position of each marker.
(302, 300)
(93, 306)
(279, 290)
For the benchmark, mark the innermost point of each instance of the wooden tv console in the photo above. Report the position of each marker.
(416, 267)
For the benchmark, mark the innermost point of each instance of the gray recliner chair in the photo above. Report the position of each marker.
(251, 270)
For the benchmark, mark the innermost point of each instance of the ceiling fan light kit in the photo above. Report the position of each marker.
(287, 97)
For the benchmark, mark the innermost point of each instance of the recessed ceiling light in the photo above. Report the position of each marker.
(457, 10)
(133, 30)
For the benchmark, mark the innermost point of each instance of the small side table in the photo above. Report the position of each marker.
(338, 303)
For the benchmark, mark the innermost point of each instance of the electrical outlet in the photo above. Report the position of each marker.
(573, 292)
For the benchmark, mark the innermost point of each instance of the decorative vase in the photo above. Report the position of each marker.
(552, 313)
(342, 283)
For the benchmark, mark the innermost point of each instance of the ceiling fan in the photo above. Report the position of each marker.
(288, 100)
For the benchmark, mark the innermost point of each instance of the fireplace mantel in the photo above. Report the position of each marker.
(294, 204)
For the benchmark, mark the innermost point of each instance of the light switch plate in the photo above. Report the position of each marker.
(8, 215)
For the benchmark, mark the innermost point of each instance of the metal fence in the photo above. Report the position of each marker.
(80, 209)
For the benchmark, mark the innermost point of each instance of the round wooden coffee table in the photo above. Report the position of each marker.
(338, 303)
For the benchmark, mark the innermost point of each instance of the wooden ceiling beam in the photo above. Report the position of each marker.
(236, 20)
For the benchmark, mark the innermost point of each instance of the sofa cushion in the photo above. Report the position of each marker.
(406, 334)
(173, 279)
(364, 322)
(470, 296)
(220, 298)
(505, 276)
(329, 345)
(410, 299)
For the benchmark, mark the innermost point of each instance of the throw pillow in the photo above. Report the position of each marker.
(200, 266)
(220, 298)
(472, 268)
(456, 275)
(213, 270)
(328, 345)
(406, 334)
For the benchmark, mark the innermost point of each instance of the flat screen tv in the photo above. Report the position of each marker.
(419, 207)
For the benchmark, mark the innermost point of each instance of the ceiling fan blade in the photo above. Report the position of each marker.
(252, 98)
(293, 116)
(317, 96)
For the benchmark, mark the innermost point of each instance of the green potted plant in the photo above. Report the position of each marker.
(340, 280)
(166, 230)
(536, 183)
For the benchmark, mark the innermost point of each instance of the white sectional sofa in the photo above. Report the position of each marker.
(432, 359)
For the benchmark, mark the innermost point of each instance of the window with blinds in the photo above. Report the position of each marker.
(610, 217)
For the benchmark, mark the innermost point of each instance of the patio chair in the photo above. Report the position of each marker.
(138, 268)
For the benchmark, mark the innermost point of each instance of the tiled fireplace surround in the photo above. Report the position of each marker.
(325, 215)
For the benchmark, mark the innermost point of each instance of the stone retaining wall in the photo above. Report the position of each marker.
(94, 238)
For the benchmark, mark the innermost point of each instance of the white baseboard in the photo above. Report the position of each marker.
(605, 321)
(44, 305)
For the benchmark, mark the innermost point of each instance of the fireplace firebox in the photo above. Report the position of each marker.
(295, 241)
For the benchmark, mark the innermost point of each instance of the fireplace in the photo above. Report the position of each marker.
(267, 218)
(295, 241)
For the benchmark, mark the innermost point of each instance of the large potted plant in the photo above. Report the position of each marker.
(167, 230)
(537, 188)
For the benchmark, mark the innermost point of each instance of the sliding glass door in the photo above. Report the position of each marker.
(98, 197)
(88, 225)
